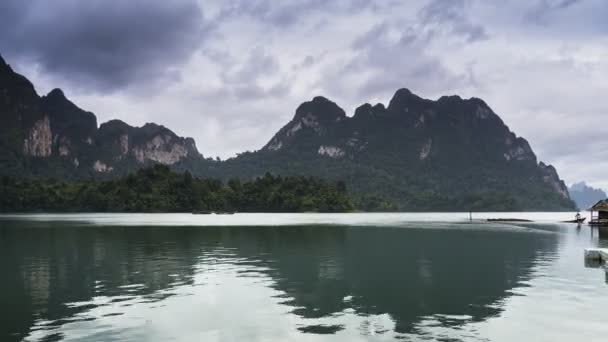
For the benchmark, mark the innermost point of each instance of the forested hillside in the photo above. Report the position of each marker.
(158, 189)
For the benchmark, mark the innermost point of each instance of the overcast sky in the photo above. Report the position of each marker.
(230, 73)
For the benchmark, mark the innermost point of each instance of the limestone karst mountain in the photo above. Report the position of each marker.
(449, 154)
(50, 136)
(414, 154)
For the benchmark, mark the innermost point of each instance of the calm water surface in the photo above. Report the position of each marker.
(298, 277)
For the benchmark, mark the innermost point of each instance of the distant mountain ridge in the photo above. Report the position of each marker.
(414, 154)
(586, 196)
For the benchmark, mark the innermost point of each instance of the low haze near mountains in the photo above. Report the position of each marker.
(229, 73)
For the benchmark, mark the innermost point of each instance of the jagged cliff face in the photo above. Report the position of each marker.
(418, 130)
(39, 139)
(444, 149)
(551, 178)
(121, 143)
(54, 131)
(24, 126)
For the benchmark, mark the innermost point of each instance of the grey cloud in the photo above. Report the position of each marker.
(453, 16)
(544, 8)
(406, 61)
(279, 13)
(290, 12)
(258, 64)
(99, 45)
(371, 36)
(398, 63)
(244, 80)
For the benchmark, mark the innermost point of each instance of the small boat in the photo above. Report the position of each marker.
(581, 220)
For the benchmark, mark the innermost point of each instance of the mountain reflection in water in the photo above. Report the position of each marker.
(71, 281)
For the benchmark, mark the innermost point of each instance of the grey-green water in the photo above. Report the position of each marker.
(270, 277)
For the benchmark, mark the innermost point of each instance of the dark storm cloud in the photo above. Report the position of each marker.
(101, 45)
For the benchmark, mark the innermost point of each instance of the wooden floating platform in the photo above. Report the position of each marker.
(601, 223)
(598, 254)
(507, 220)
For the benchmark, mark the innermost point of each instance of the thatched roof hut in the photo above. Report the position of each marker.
(601, 208)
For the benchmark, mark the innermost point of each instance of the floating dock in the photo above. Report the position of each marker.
(596, 254)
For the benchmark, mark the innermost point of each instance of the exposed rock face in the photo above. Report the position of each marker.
(425, 151)
(100, 166)
(315, 118)
(39, 139)
(124, 144)
(64, 147)
(331, 151)
(151, 143)
(551, 177)
(518, 149)
(161, 149)
(274, 145)
(54, 129)
(72, 127)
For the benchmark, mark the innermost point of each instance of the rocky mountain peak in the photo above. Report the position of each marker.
(56, 94)
(19, 87)
(67, 119)
(379, 107)
(114, 126)
(404, 101)
(151, 128)
(551, 177)
(3, 64)
(320, 110)
(369, 112)
(450, 99)
(6, 69)
(315, 117)
(320, 99)
(364, 110)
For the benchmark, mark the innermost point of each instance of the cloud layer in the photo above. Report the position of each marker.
(99, 45)
(231, 72)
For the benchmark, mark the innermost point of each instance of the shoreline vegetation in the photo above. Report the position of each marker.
(158, 189)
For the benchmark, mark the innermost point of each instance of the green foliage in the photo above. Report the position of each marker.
(158, 189)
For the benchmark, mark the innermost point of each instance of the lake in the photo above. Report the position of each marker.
(299, 277)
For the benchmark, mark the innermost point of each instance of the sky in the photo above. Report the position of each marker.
(230, 73)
